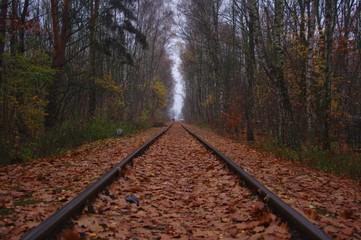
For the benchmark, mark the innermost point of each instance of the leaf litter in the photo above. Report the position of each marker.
(182, 204)
(331, 202)
(32, 191)
(184, 192)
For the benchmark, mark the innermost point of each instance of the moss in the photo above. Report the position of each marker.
(6, 211)
(322, 211)
(25, 201)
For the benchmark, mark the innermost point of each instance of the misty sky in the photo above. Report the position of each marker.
(174, 50)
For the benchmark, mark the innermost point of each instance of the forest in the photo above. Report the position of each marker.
(75, 70)
(286, 70)
(283, 71)
(180, 119)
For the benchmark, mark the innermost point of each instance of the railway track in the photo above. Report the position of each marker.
(174, 187)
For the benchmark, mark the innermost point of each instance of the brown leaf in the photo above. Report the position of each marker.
(69, 234)
(347, 214)
(311, 213)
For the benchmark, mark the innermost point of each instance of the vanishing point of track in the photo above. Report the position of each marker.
(183, 174)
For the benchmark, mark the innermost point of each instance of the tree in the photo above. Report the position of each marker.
(287, 131)
(101, 56)
(251, 66)
(61, 28)
(94, 14)
(3, 15)
(330, 7)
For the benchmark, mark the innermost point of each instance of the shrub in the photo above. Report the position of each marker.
(347, 164)
(73, 134)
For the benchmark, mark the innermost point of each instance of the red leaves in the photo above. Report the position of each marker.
(69, 234)
(32, 191)
(311, 214)
(328, 200)
(184, 193)
(347, 214)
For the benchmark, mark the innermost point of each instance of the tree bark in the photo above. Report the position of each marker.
(329, 27)
(60, 38)
(94, 9)
(22, 31)
(288, 133)
(3, 14)
(309, 68)
(14, 26)
(251, 69)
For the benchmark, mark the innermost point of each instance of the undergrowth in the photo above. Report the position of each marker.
(342, 163)
(345, 164)
(71, 135)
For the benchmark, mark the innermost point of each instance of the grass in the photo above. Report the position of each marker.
(342, 163)
(345, 164)
(72, 135)
(68, 136)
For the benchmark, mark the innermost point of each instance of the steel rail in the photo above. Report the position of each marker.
(73, 207)
(305, 227)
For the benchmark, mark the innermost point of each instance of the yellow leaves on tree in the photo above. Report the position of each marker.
(108, 84)
(155, 107)
(160, 94)
(113, 91)
(34, 114)
(23, 98)
(318, 71)
(208, 101)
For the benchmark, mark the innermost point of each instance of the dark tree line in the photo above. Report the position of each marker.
(73, 61)
(286, 69)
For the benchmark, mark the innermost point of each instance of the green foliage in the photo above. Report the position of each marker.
(347, 164)
(144, 121)
(6, 211)
(73, 134)
(26, 79)
(281, 150)
(100, 128)
(23, 85)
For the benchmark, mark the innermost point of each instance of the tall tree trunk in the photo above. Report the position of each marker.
(218, 90)
(60, 38)
(288, 134)
(4, 116)
(3, 14)
(309, 68)
(251, 69)
(329, 27)
(14, 26)
(22, 31)
(94, 8)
